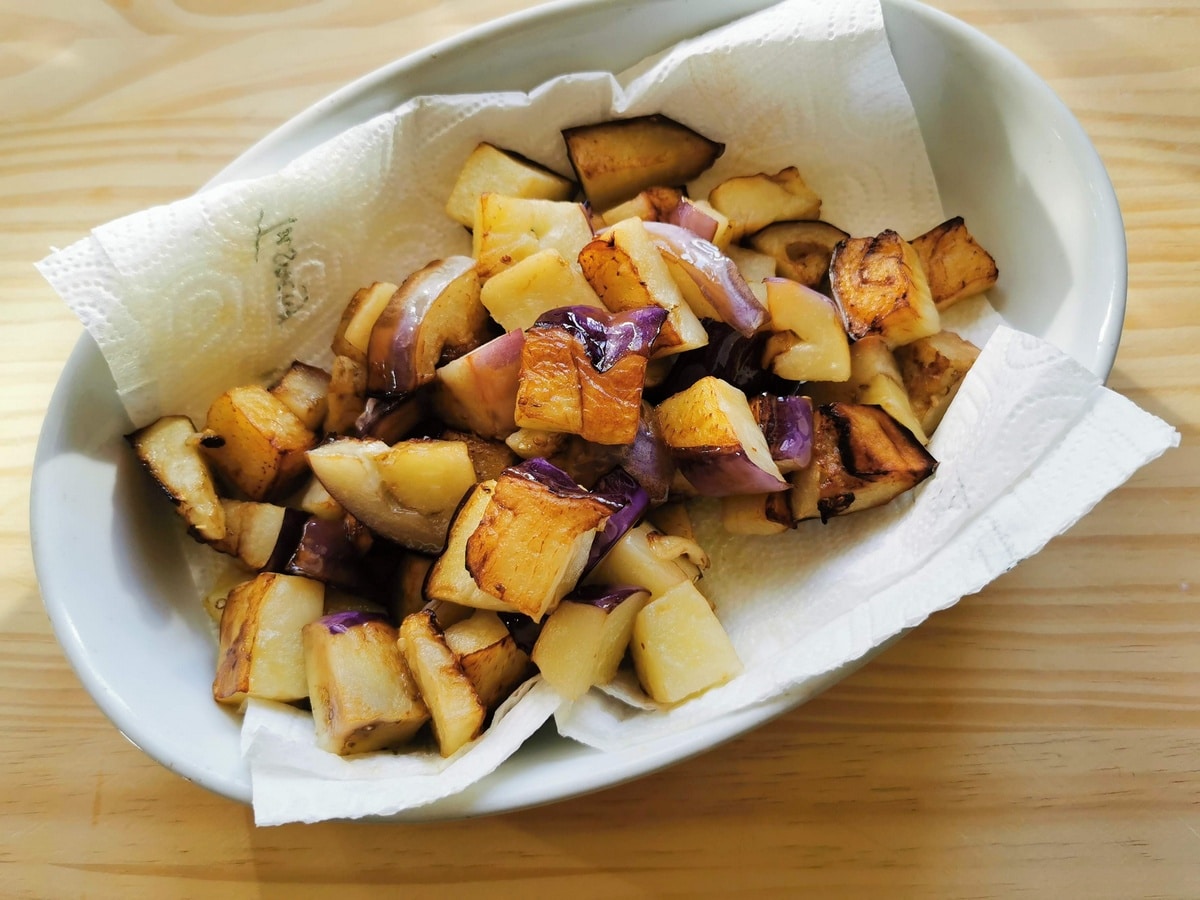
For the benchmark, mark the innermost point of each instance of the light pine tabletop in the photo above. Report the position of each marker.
(1040, 739)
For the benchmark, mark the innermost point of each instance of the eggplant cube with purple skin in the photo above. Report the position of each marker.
(405, 493)
(169, 449)
(259, 534)
(582, 372)
(533, 541)
(708, 279)
(478, 391)
(787, 425)
(510, 229)
(862, 458)
(638, 557)
(488, 655)
(261, 650)
(626, 269)
(256, 442)
(363, 696)
(585, 638)
(436, 311)
(303, 389)
(679, 646)
(457, 714)
(882, 289)
(716, 441)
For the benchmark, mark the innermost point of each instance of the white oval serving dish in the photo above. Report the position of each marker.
(112, 579)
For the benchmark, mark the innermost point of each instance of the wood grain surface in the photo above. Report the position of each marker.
(1041, 739)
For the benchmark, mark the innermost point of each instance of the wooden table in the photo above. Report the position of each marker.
(1040, 739)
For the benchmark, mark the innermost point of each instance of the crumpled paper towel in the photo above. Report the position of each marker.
(229, 286)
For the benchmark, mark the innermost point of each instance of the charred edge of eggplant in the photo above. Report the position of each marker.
(829, 507)
(778, 509)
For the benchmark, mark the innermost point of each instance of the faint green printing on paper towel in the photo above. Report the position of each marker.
(290, 297)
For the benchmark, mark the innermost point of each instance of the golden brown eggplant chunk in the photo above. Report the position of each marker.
(510, 229)
(874, 366)
(954, 263)
(615, 160)
(255, 532)
(514, 556)
(752, 202)
(932, 370)
(353, 334)
(169, 449)
(347, 397)
(549, 394)
(261, 651)
(881, 288)
(455, 708)
(492, 169)
(303, 389)
(801, 250)
(489, 656)
(448, 580)
(862, 458)
(255, 442)
(363, 696)
(561, 390)
(535, 285)
(636, 559)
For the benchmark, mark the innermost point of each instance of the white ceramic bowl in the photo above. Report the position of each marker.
(1006, 153)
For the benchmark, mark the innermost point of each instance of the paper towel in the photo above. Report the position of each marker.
(231, 285)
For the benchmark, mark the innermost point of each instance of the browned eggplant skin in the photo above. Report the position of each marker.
(590, 149)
